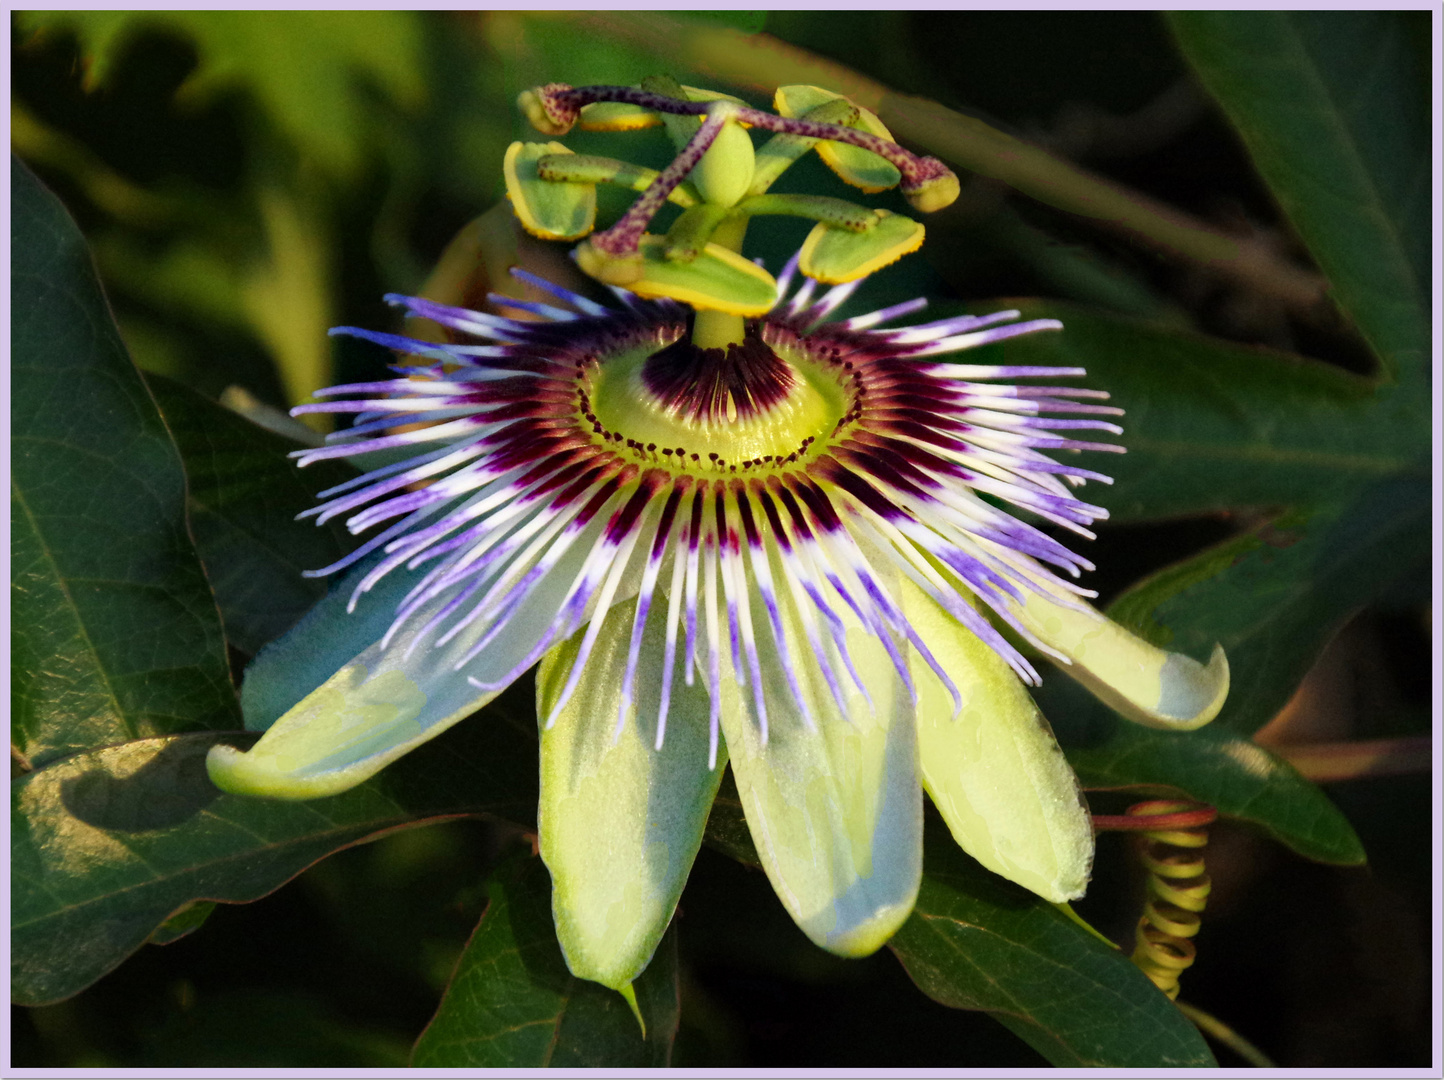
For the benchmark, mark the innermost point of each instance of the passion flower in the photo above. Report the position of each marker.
(787, 549)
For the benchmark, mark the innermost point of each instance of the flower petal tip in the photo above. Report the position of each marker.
(1192, 693)
(1143, 683)
(1189, 694)
(631, 998)
(864, 936)
(238, 772)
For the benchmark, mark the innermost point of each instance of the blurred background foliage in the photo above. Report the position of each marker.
(247, 180)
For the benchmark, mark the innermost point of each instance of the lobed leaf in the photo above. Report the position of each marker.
(1232, 773)
(1274, 598)
(1277, 595)
(116, 633)
(108, 845)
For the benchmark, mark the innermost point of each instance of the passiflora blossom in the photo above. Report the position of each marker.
(788, 551)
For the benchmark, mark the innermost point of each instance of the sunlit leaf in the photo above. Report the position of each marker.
(512, 1003)
(116, 634)
(108, 844)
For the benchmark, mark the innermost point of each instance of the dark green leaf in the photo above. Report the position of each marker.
(1211, 426)
(269, 1029)
(1276, 596)
(106, 845)
(116, 634)
(186, 921)
(513, 1004)
(1334, 109)
(244, 497)
(1273, 598)
(976, 941)
(1213, 765)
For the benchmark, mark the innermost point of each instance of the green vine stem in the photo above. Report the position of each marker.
(1221, 1033)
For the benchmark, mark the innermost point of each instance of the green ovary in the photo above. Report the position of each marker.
(808, 413)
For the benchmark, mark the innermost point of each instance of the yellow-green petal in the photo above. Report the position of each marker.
(1144, 683)
(616, 116)
(347, 730)
(549, 209)
(382, 701)
(376, 707)
(856, 166)
(717, 279)
(619, 821)
(995, 772)
(835, 255)
(836, 813)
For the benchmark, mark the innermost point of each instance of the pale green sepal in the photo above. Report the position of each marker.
(346, 731)
(326, 639)
(616, 116)
(835, 255)
(854, 165)
(377, 704)
(717, 279)
(549, 209)
(620, 822)
(996, 773)
(1144, 683)
(835, 813)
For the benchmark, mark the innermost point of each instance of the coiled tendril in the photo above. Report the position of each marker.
(1178, 887)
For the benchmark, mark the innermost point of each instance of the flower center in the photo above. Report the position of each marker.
(751, 406)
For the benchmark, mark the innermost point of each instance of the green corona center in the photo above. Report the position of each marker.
(789, 419)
